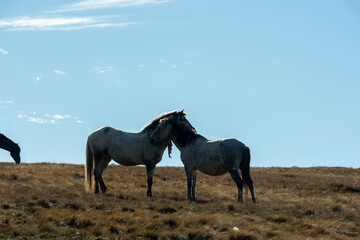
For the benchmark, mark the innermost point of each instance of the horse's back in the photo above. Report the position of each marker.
(232, 143)
(206, 157)
(106, 137)
(233, 151)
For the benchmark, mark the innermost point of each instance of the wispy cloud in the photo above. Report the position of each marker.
(103, 69)
(26, 23)
(3, 52)
(99, 4)
(47, 118)
(32, 119)
(7, 101)
(59, 72)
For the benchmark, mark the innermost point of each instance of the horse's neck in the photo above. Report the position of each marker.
(186, 138)
(6, 143)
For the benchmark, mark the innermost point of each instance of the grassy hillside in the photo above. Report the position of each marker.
(49, 201)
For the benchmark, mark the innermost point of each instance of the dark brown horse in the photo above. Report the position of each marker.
(8, 145)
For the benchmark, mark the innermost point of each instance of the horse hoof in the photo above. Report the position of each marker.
(149, 194)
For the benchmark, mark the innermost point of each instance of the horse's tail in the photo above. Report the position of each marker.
(245, 165)
(245, 170)
(89, 169)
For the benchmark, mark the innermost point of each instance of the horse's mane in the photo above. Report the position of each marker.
(6, 143)
(152, 125)
(184, 136)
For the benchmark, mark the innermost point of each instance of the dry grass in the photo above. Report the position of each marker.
(48, 201)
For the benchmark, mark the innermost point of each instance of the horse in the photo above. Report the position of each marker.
(125, 148)
(212, 157)
(8, 145)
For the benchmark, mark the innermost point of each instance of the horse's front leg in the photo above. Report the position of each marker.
(149, 175)
(189, 177)
(194, 175)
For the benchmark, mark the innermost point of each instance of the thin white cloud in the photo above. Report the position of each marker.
(3, 52)
(36, 120)
(103, 69)
(100, 4)
(58, 116)
(59, 72)
(59, 23)
(32, 119)
(7, 101)
(47, 118)
(38, 78)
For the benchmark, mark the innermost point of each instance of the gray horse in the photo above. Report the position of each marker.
(125, 148)
(212, 157)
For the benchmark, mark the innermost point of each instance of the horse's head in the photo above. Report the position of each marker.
(15, 154)
(162, 132)
(180, 119)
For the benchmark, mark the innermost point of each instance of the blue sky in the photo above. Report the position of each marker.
(281, 76)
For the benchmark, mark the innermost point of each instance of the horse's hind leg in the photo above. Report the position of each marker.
(247, 179)
(239, 183)
(104, 163)
(97, 171)
(149, 175)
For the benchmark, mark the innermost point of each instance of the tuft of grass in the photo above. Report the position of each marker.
(151, 235)
(43, 203)
(171, 223)
(126, 209)
(230, 208)
(242, 237)
(194, 234)
(5, 206)
(277, 219)
(82, 223)
(336, 208)
(113, 230)
(167, 210)
(73, 206)
(309, 213)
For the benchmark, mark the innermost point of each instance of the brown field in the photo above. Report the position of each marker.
(48, 201)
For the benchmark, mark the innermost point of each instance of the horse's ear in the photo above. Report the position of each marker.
(182, 111)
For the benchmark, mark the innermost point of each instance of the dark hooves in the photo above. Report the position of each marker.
(149, 194)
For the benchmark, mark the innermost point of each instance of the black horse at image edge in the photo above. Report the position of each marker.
(8, 145)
